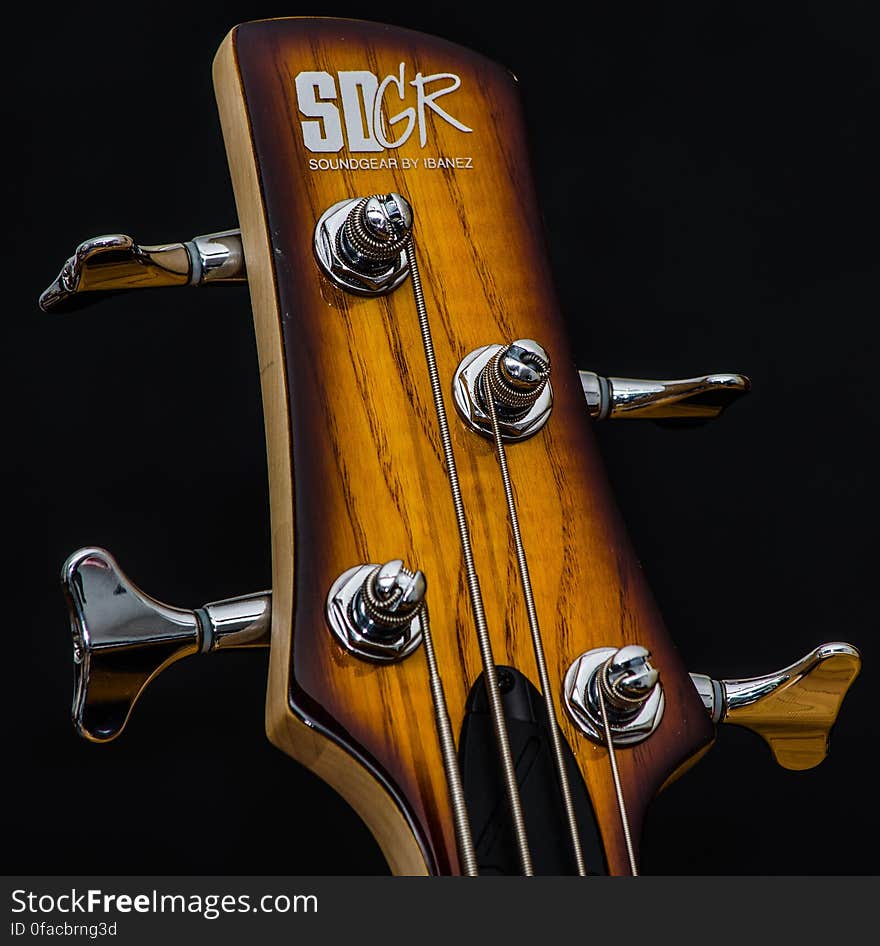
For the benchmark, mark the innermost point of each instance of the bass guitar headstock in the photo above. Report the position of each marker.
(463, 643)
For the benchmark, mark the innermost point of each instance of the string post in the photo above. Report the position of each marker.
(360, 243)
(390, 597)
(623, 681)
(378, 612)
(628, 679)
(515, 378)
(513, 381)
(375, 231)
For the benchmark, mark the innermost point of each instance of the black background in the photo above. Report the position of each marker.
(708, 177)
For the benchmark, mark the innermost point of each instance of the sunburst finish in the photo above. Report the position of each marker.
(356, 470)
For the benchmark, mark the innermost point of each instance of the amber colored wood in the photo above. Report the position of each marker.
(285, 728)
(356, 472)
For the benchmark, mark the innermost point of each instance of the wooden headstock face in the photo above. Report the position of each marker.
(357, 474)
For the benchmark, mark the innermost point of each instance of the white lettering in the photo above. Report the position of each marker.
(358, 91)
(367, 124)
(379, 115)
(355, 163)
(312, 88)
(427, 101)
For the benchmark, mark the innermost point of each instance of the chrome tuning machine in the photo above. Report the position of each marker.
(123, 638)
(376, 611)
(792, 709)
(105, 265)
(618, 685)
(517, 379)
(687, 402)
(360, 243)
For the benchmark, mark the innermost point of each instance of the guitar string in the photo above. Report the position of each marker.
(490, 676)
(463, 837)
(537, 643)
(618, 788)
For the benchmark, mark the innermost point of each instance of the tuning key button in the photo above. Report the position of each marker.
(376, 611)
(123, 638)
(689, 401)
(631, 694)
(105, 265)
(793, 709)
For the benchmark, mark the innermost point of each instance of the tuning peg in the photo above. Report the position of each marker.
(792, 709)
(689, 401)
(108, 264)
(122, 638)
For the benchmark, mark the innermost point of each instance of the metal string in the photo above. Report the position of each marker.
(450, 759)
(537, 643)
(490, 675)
(621, 804)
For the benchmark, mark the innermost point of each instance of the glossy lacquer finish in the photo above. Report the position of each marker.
(356, 472)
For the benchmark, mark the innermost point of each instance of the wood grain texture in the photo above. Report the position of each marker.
(356, 470)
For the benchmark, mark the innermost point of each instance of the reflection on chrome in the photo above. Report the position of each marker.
(691, 400)
(122, 638)
(792, 709)
(114, 263)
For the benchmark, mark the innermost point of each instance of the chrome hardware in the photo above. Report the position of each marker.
(375, 611)
(123, 638)
(792, 709)
(517, 376)
(631, 689)
(112, 263)
(628, 678)
(690, 400)
(361, 242)
(217, 258)
(235, 623)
